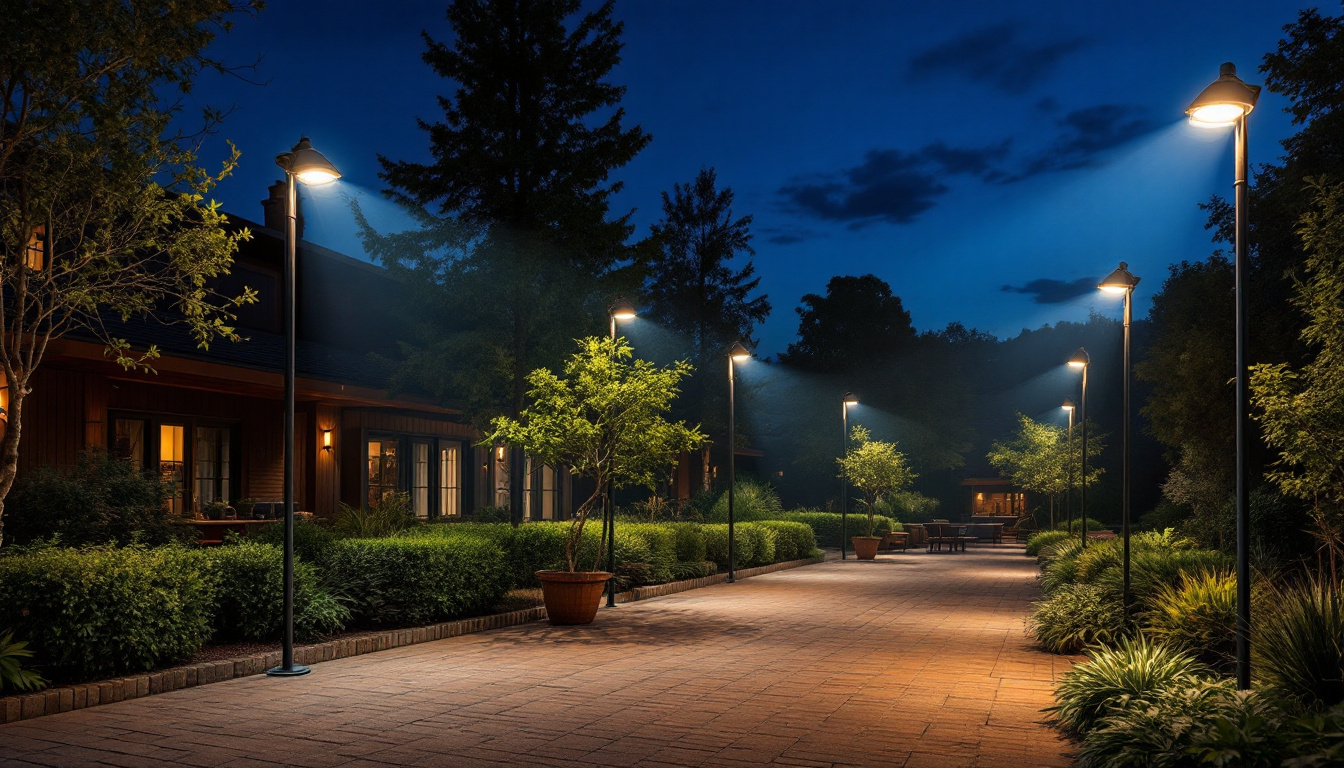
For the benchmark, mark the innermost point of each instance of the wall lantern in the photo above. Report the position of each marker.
(326, 439)
(499, 453)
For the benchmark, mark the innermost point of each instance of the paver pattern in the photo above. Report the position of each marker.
(913, 660)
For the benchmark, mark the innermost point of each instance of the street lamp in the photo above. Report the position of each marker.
(1226, 102)
(620, 309)
(845, 402)
(736, 354)
(302, 163)
(1081, 361)
(1068, 461)
(1121, 281)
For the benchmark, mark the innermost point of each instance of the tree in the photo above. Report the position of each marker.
(1039, 456)
(693, 288)
(1302, 409)
(605, 420)
(874, 467)
(858, 320)
(103, 210)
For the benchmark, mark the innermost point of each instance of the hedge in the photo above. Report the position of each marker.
(248, 582)
(793, 541)
(104, 611)
(826, 525)
(409, 581)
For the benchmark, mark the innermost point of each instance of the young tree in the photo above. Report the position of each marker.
(1302, 409)
(874, 467)
(1038, 458)
(103, 211)
(605, 419)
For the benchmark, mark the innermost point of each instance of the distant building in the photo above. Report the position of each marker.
(994, 497)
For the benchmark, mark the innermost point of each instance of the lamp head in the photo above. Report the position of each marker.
(1119, 281)
(739, 353)
(1225, 101)
(1080, 359)
(1068, 404)
(850, 399)
(309, 165)
(622, 309)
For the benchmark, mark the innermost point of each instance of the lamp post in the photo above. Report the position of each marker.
(845, 402)
(1226, 102)
(737, 354)
(302, 163)
(1121, 281)
(620, 309)
(1068, 462)
(1080, 360)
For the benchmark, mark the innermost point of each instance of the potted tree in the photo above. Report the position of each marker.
(877, 469)
(604, 419)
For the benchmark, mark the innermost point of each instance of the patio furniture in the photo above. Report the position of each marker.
(940, 534)
(893, 539)
(212, 532)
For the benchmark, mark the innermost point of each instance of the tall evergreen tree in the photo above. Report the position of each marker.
(858, 320)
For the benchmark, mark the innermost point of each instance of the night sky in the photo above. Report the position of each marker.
(989, 160)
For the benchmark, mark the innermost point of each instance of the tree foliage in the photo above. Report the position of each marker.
(1039, 456)
(858, 319)
(103, 210)
(604, 419)
(874, 467)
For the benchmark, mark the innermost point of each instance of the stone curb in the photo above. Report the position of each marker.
(71, 697)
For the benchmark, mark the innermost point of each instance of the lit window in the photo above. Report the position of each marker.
(172, 447)
(450, 483)
(35, 257)
(382, 457)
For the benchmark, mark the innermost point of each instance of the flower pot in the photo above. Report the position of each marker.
(865, 547)
(572, 597)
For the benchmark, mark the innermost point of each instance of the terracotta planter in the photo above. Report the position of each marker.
(865, 547)
(572, 597)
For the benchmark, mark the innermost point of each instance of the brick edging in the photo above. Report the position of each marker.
(83, 695)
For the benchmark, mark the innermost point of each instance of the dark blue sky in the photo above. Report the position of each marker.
(990, 160)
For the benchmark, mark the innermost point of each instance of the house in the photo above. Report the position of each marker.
(211, 421)
(994, 497)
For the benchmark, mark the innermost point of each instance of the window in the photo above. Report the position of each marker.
(501, 476)
(35, 257)
(172, 450)
(213, 472)
(128, 441)
(420, 479)
(542, 484)
(450, 478)
(550, 493)
(382, 469)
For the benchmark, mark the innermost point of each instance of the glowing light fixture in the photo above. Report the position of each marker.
(1225, 101)
(311, 166)
(1119, 281)
(621, 309)
(326, 439)
(1068, 405)
(1079, 359)
(851, 399)
(739, 353)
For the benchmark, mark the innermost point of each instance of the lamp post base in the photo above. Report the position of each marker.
(294, 671)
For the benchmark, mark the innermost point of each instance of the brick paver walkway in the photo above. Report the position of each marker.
(914, 660)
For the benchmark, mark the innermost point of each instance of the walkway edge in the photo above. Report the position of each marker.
(83, 695)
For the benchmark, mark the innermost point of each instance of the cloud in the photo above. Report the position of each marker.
(1049, 291)
(889, 185)
(996, 56)
(1086, 134)
(789, 235)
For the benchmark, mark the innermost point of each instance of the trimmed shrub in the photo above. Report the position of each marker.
(312, 540)
(716, 545)
(1077, 616)
(1043, 539)
(762, 545)
(690, 542)
(105, 611)
(826, 525)
(409, 581)
(1300, 644)
(751, 501)
(1134, 668)
(1198, 616)
(1093, 524)
(100, 500)
(683, 571)
(662, 545)
(908, 506)
(793, 541)
(248, 582)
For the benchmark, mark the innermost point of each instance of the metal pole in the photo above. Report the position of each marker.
(287, 667)
(1124, 431)
(732, 468)
(1082, 462)
(1243, 413)
(1068, 501)
(609, 519)
(844, 481)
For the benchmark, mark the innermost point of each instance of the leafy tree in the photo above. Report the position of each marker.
(103, 210)
(1038, 458)
(858, 320)
(1302, 409)
(605, 419)
(874, 467)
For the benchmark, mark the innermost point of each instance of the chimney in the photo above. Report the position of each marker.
(273, 209)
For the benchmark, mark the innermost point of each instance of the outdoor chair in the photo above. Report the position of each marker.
(939, 534)
(959, 537)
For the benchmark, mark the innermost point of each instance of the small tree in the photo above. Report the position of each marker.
(874, 467)
(605, 420)
(1038, 458)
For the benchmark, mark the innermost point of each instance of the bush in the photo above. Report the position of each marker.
(683, 571)
(1132, 669)
(793, 541)
(409, 581)
(100, 500)
(491, 515)
(761, 544)
(826, 525)
(248, 582)
(13, 675)
(1093, 524)
(716, 545)
(1077, 616)
(1300, 644)
(1198, 615)
(1040, 541)
(751, 501)
(661, 541)
(908, 506)
(390, 515)
(106, 611)
(313, 540)
(529, 548)
(690, 542)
